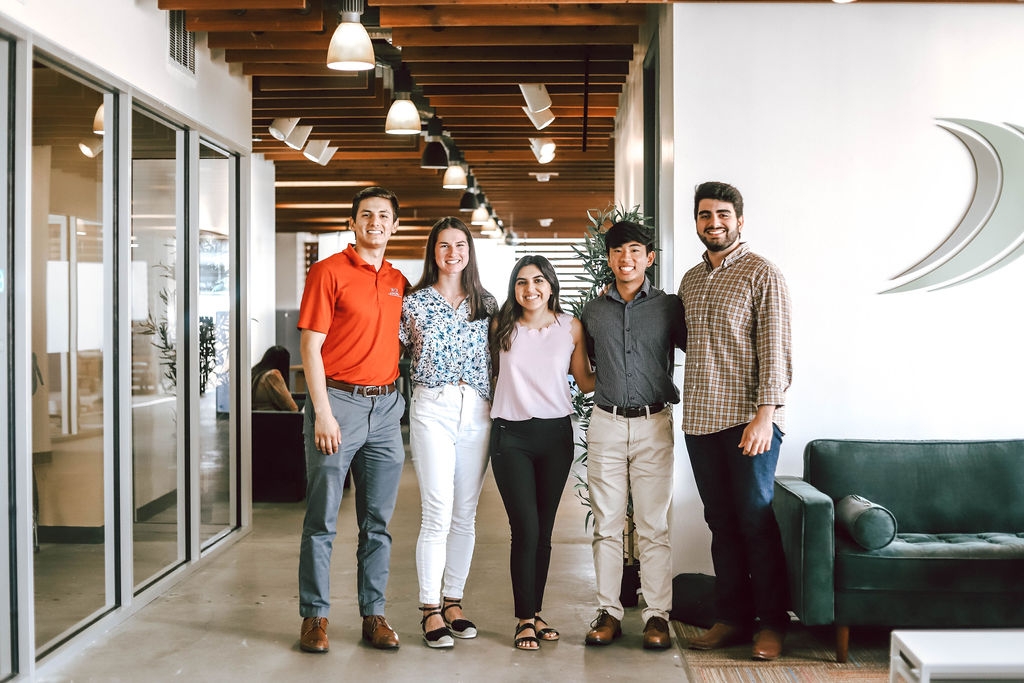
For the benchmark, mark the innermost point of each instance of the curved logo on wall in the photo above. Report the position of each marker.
(991, 233)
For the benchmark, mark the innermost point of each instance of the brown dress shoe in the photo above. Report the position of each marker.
(604, 630)
(379, 633)
(767, 644)
(313, 637)
(656, 634)
(719, 635)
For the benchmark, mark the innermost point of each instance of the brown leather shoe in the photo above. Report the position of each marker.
(767, 644)
(313, 637)
(379, 633)
(719, 635)
(604, 630)
(656, 634)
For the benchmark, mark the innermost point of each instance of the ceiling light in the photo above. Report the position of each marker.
(541, 119)
(403, 116)
(543, 177)
(435, 155)
(543, 149)
(454, 177)
(545, 222)
(91, 148)
(282, 128)
(351, 48)
(98, 126)
(469, 201)
(536, 96)
(480, 215)
(297, 138)
(319, 151)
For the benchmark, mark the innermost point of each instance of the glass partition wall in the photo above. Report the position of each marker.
(71, 313)
(8, 551)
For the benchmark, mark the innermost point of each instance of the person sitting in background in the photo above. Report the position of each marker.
(270, 381)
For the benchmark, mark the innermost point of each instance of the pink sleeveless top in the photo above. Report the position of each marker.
(533, 373)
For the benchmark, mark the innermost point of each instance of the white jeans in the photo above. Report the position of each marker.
(449, 429)
(635, 454)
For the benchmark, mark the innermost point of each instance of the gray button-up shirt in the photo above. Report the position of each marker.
(632, 345)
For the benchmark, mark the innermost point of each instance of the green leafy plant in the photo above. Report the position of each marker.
(159, 328)
(207, 351)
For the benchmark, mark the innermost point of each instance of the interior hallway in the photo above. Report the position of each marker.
(236, 618)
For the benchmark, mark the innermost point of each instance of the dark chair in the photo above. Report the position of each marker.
(278, 457)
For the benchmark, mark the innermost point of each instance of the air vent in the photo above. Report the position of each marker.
(181, 43)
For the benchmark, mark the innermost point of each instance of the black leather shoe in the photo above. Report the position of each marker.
(604, 630)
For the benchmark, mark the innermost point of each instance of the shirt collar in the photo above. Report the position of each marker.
(645, 290)
(735, 255)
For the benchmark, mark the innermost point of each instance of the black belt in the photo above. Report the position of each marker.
(642, 411)
(382, 390)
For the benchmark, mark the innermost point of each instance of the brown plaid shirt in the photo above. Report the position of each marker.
(738, 354)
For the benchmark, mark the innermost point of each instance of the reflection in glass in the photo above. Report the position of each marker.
(69, 308)
(6, 460)
(159, 510)
(216, 496)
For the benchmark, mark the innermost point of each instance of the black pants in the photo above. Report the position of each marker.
(531, 460)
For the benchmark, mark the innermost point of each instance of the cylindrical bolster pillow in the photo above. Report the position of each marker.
(870, 525)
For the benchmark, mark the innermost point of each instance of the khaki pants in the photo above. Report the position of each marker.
(632, 454)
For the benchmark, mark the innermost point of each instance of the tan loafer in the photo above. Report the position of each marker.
(767, 644)
(656, 635)
(719, 635)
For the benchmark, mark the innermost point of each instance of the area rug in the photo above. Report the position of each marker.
(809, 657)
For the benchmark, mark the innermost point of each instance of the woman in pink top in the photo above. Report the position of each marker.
(534, 347)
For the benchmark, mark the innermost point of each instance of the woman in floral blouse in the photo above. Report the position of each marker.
(445, 319)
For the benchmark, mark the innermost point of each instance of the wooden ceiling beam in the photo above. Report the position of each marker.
(272, 40)
(306, 84)
(257, 20)
(516, 35)
(230, 4)
(508, 85)
(557, 101)
(233, 55)
(511, 15)
(503, 53)
(537, 72)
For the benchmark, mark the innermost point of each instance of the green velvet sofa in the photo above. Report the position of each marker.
(928, 534)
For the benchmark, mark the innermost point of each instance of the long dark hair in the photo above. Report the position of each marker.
(511, 311)
(470, 277)
(275, 358)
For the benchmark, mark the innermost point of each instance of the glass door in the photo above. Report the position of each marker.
(71, 309)
(217, 235)
(158, 524)
(7, 530)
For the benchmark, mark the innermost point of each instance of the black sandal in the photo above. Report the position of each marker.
(547, 633)
(439, 637)
(460, 628)
(521, 643)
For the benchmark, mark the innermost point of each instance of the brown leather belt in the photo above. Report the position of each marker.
(382, 390)
(642, 411)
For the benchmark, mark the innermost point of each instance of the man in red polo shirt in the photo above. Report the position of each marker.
(349, 319)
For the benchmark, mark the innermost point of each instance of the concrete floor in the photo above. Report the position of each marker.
(236, 618)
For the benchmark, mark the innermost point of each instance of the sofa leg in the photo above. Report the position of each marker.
(842, 643)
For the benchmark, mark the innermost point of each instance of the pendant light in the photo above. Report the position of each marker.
(468, 201)
(98, 126)
(351, 48)
(403, 116)
(435, 155)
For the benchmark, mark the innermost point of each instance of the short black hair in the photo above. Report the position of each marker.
(723, 192)
(628, 231)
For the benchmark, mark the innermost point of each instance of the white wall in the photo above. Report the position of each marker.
(815, 112)
(824, 117)
(218, 96)
(263, 257)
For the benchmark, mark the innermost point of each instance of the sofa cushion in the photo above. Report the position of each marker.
(948, 563)
(870, 525)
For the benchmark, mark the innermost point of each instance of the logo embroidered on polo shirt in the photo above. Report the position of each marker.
(395, 292)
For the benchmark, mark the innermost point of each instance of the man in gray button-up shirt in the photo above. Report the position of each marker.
(632, 331)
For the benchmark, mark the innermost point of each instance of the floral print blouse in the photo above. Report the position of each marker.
(444, 347)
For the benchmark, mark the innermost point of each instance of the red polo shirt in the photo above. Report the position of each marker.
(358, 308)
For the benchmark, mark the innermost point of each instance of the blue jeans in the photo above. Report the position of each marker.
(371, 443)
(751, 585)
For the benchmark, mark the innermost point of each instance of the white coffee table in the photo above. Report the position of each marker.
(922, 656)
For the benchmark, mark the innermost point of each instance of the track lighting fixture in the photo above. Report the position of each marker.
(282, 128)
(319, 151)
(540, 119)
(91, 148)
(297, 138)
(351, 48)
(543, 149)
(536, 96)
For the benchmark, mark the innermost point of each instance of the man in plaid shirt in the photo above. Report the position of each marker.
(738, 368)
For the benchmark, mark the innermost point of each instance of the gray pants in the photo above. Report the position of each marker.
(371, 442)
